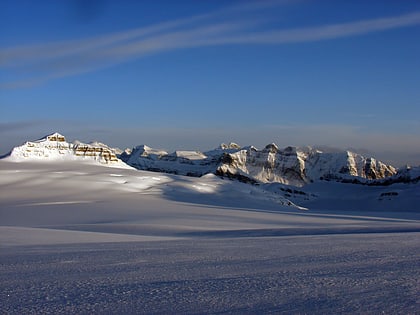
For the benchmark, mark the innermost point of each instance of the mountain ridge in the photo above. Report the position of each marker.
(291, 165)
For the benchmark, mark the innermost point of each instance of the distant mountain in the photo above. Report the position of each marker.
(189, 163)
(292, 165)
(55, 147)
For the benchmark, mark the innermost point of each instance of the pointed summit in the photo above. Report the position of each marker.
(272, 148)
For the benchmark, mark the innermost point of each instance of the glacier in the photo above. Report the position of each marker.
(81, 231)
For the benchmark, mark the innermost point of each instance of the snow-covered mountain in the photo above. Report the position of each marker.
(292, 165)
(55, 147)
(189, 163)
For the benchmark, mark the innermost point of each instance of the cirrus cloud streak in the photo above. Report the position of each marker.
(26, 66)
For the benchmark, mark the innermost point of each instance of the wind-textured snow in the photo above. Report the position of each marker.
(82, 237)
(352, 274)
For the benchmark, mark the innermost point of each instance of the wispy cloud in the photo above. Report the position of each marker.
(15, 56)
(325, 32)
(36, 64)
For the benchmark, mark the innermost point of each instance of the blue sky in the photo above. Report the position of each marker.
(192, 74)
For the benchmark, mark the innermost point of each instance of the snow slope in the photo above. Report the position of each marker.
(82, 196)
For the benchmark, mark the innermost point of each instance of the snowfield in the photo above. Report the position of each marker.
(352, 274)
(87, 238)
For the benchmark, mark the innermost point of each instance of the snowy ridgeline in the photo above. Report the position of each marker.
(291, 166)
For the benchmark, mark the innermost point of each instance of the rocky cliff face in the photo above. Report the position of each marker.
(298, 166)
(55, 147)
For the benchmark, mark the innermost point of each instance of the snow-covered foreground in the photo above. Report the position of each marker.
(84, 238)
(351, 274)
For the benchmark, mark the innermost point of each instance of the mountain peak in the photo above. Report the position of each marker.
(272, 148)
(55, 137)
(231, 145)
(55, 147)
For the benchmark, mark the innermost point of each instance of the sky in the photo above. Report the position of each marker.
(193, 74)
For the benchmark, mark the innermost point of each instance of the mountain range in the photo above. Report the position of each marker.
(295, 166)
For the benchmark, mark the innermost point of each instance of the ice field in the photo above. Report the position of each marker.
(86, 238)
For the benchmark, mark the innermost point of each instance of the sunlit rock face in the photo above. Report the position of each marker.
(297, 166)
(96, 151)
(55, 147)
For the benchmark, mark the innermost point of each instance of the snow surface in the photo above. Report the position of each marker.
(78, 236)
(351, 274)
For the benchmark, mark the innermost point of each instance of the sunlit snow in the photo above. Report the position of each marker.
(82, 236)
